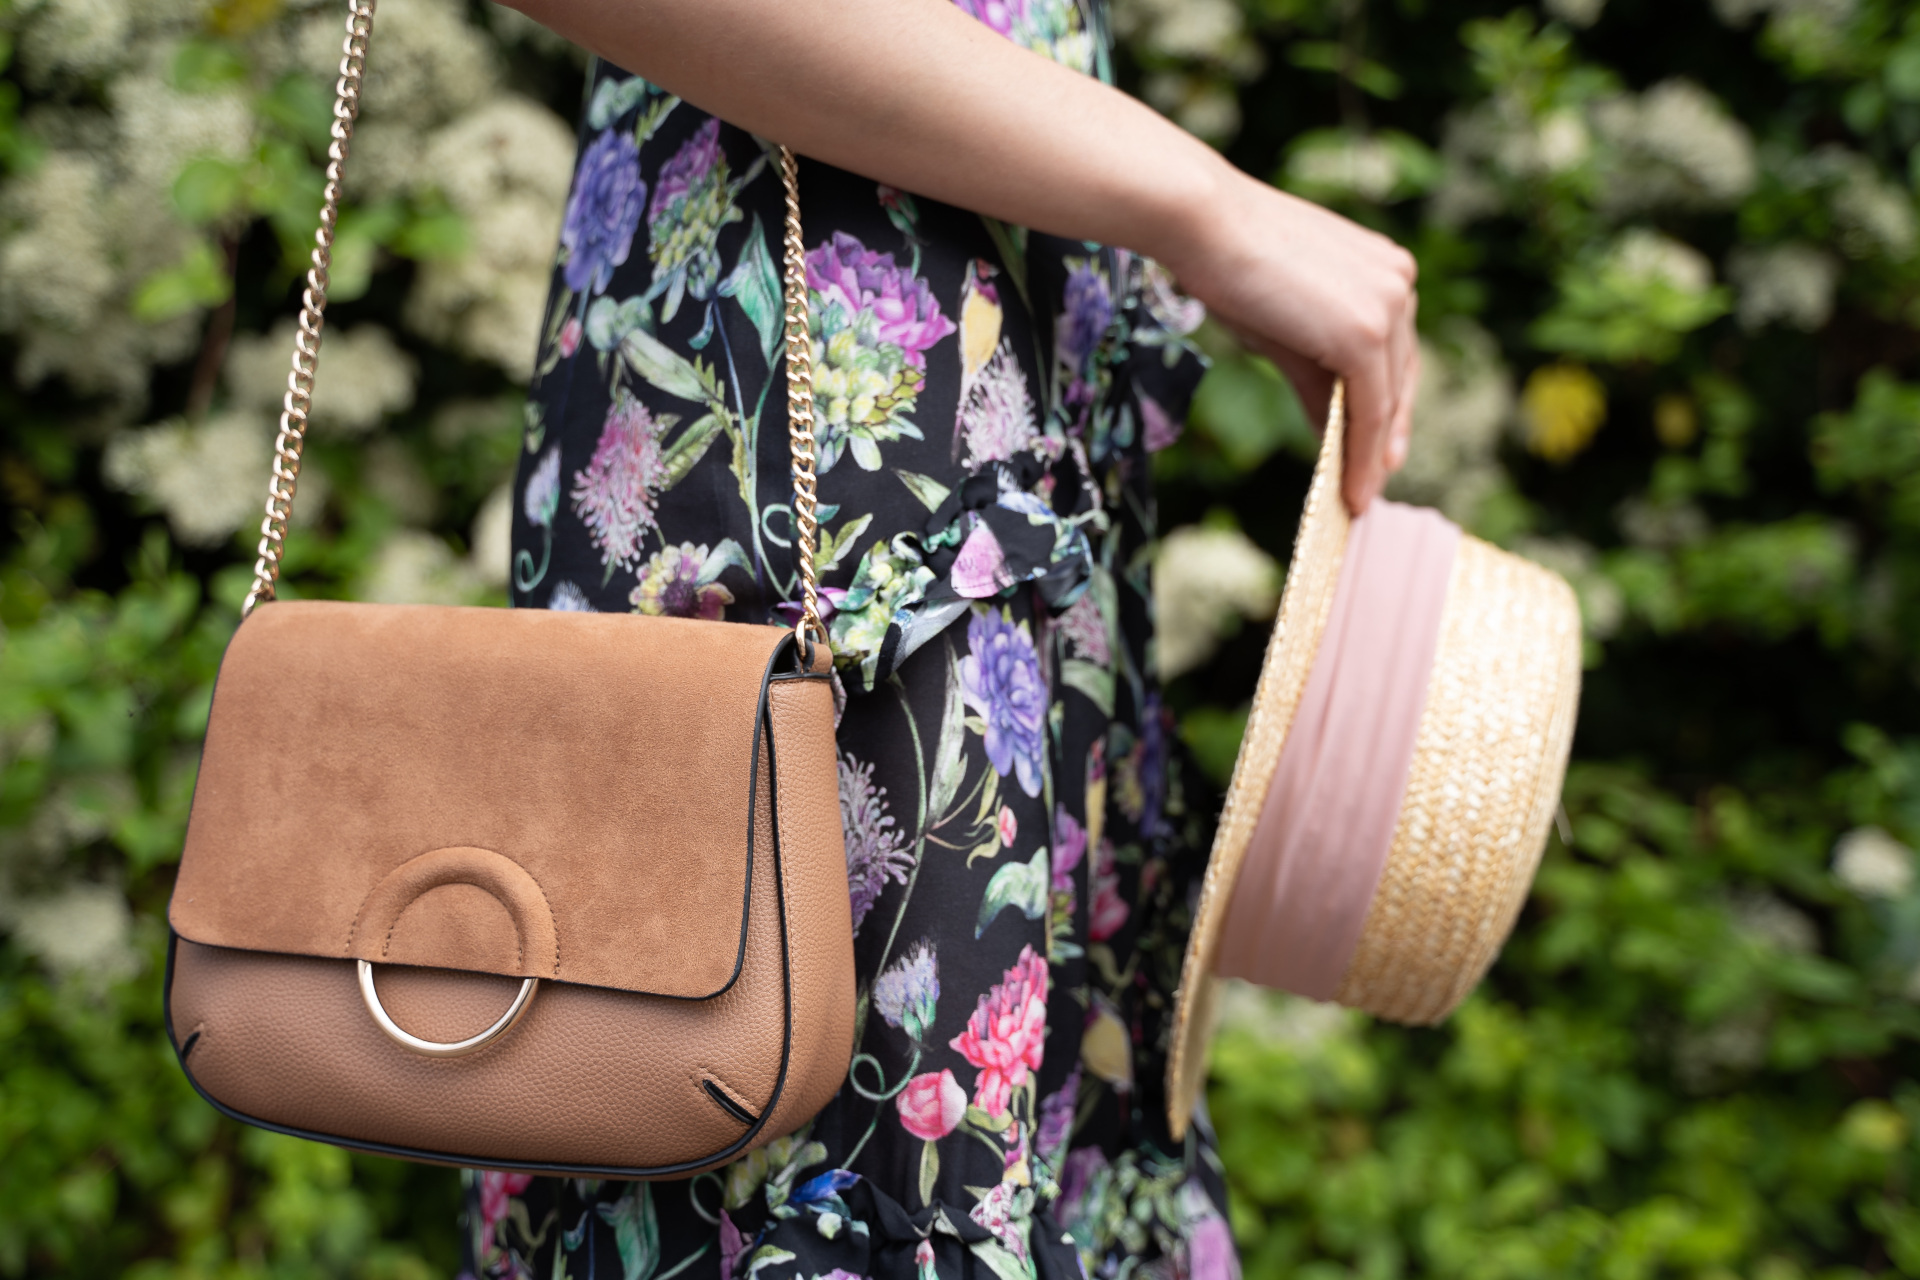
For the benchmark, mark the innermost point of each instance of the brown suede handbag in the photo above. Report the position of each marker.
(410, 821)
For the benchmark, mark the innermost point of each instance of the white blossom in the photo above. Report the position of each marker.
(1789, 283)
(1673, 146)
(491, 542)
(413, 567)
(1576, 13)
(84, 930)
(1203, 580)
(1873, 864)
(210, 480)
(1640, 254)
(1464, 401)
(362, 376)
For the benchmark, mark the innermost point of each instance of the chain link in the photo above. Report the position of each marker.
(298, 401)
(800, 410)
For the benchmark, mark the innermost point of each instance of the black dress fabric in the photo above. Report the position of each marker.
(1023, 839)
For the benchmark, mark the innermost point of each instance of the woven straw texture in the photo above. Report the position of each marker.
(1488, 760)
(1306, 601)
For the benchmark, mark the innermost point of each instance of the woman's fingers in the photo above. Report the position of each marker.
(1370, 408)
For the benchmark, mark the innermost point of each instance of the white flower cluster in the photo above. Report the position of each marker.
(83, 930)
(1674, 146)
(363, 376)
(1500, 141)
(505, 169)
(1204, 581)
(1638, 254)
(1872, 215)
(1464, 403)
(1347, 164)
(1207, 48)
(1873, 864)
(1791, 284)
(210, 479)
(414, 567)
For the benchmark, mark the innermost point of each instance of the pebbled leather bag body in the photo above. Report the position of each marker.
(554, 892)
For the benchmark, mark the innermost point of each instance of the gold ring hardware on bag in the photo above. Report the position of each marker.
(435, 1048)
(556, 767)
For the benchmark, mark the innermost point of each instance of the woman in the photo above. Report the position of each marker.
(990, 381)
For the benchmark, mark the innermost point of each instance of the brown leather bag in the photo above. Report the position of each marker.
(410, 820)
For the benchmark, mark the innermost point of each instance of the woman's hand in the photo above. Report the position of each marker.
(1321, 297)
(916, 94)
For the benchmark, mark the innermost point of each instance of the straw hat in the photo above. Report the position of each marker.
(1488, 758)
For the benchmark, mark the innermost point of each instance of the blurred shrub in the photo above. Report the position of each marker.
(1669, 299)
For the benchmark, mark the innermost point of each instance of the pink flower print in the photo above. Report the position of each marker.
(996, 1213)
(1007, 1033)
(931, 1105)
(1210, 1251)
(570, 337)
(980, 570)
(996, 416)
(496, 1195)
(1069, 846)
(614, 495)
(923, 1259)
(1008, 826)
(998, 15)
(1086, 630)
(1108, 911)
(848, 275)
(1161, 429)
(732, 1245)
(1056, 1117)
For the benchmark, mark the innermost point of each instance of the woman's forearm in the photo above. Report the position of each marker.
(917, 94)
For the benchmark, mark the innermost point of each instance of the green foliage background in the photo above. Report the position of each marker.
(1670, 300)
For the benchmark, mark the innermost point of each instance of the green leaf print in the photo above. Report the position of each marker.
(755, 284)
(614, 98)
(1092, 679)
(1018, 884)
(636, 1231)
(834, 547)
(668, 370)
(929, 491)
(949, 756)
(677, 459)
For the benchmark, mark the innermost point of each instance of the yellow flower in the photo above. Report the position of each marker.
(1563, 406)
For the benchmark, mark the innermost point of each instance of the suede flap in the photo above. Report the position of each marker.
(515, 791)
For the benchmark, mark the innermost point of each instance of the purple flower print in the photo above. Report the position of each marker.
(997, 15)
(846, 274)
(876, 849)
(1056, 1117)
(1069, 846)
(1088, 311)
(905, 995)
(1000, 679)
(689, 167)
(603, 211)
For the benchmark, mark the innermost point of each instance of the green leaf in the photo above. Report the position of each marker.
(1017, 884)
(929, 491)
(438, 235)
(755, 284)
(1091, 679)
(726, 552)
(210, 190)
(834, 547)
(614, 98)
(1002, 1261)
(929, 1171)
(678, 458)
(608, 322)
(198, 280)
(636, 1231)
(949, 755)
(206, 66)
(666, 368)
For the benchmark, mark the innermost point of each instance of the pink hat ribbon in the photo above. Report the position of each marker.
(1296, 914)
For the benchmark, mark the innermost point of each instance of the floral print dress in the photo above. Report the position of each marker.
(1023, 841)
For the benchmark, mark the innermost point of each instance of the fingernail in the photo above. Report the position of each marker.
(1396, 455)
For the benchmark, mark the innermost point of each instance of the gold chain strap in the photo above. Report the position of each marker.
(800, 409)
(298, 402)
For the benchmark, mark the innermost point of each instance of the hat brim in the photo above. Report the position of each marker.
(1306, 602)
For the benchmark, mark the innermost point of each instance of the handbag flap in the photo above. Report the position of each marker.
(517, 791)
